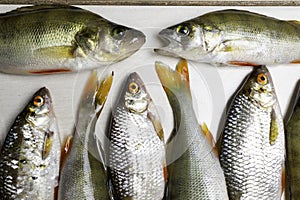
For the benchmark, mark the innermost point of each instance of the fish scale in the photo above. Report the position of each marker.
(24, 172)
(194, 171)
(136, 157)
(252, 166)
(131, 138)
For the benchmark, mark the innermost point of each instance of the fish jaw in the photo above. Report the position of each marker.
(189, 46)
(114, 47)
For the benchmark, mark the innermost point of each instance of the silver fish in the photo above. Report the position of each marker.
(136, 155)
(84, 176)
(252, 150)
(30, 155)
(234, 37)
(48, 39)
(194, 171)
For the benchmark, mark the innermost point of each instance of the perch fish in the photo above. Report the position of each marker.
(194, 171)
(252, 145)
(83, 175)
(234, 37)
(30, 155)
(48, 39)
(136, 149)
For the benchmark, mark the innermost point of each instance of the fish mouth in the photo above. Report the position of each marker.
(171, 44)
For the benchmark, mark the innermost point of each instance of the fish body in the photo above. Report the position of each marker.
(194, 171)
(292, 190)
(136, 155)
(234, 37)
(252, 150)
(62, 39)
(84, 176)
(30, 155)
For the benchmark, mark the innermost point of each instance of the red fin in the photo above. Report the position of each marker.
(50, 71)
(165, 173)
(242, 63)
(208, 135)
(296, 61)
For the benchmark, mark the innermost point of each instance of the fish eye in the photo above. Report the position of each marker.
(118, 31)
(183, 29)
(133, 88)
(38, 101)
(262, 79)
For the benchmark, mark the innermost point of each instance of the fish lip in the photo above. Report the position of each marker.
(170, 43)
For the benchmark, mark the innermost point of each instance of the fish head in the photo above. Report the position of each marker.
(39, 108)
(134, 96)
(183, 40)
(109, 42)
(259, 87)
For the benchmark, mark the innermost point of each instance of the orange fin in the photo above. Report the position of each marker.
(296, 61)
(182, 68)
(165, 173)
(48, 141)
(242, 63)
(50, 71)
(208, 135)
(66, 149)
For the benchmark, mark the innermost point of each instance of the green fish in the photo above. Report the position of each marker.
(48, 39)
(83, 176)
(234, 37)
(30, 155)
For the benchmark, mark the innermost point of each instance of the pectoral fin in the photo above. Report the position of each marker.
(103, 89)
(153, 116)
(48, 141)
(274, 129)
(56, 52)
(66, 149)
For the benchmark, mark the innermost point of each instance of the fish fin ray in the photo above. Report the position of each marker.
(66, 149)
(56, 52)
(274, 128)
(48, 141)
(242, 63)
(153, 116)
(295, 61)
(208, 135)
(183, 69)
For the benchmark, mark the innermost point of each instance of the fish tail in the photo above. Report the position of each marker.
(175, 81)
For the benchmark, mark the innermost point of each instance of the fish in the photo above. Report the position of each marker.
(194, 170)
(252, 143)
(235, 38)
(84, 175)
(47, 39)
(30, 155)
(292, 190)
(136, 151)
